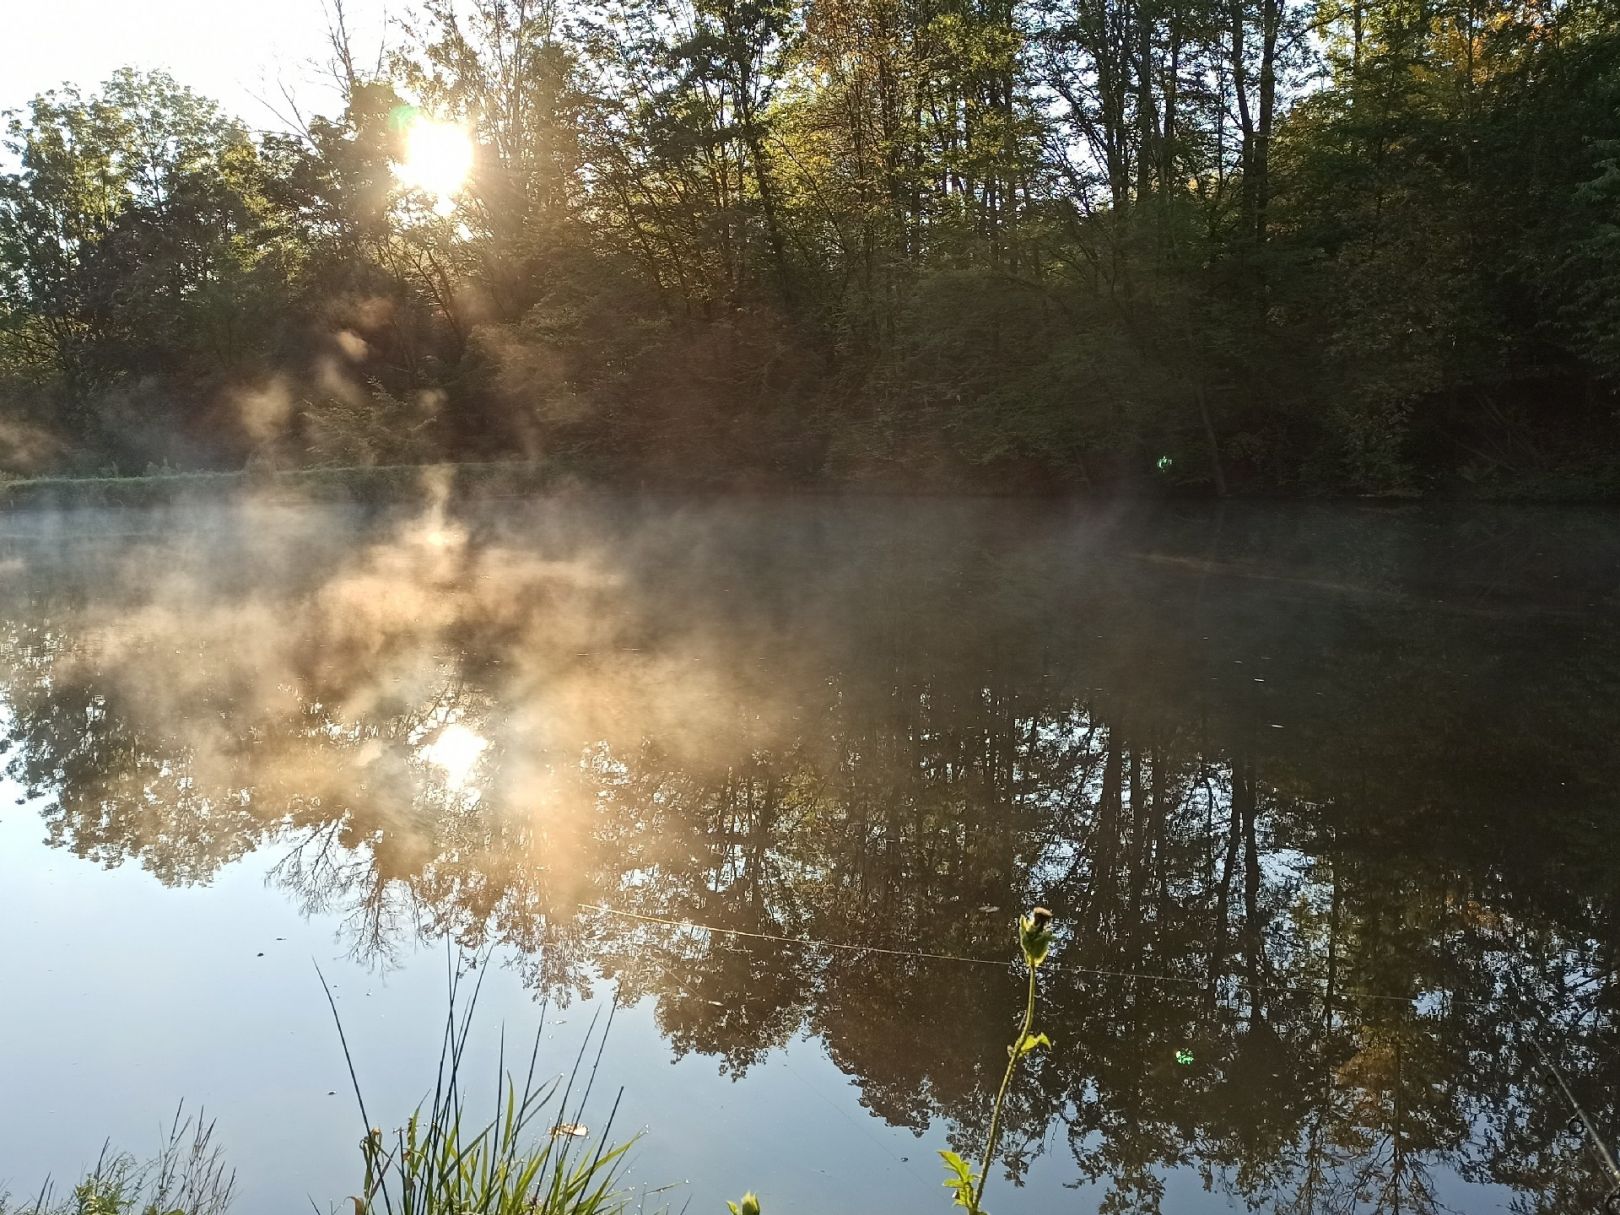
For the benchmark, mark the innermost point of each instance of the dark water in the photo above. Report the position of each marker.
(1326, 798)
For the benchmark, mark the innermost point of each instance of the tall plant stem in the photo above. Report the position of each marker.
(1001, 1094)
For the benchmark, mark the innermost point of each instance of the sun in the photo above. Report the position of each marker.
(438, 157)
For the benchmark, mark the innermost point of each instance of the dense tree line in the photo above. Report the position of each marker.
(1364, 245)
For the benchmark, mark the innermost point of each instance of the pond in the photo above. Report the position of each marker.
(1324, 800)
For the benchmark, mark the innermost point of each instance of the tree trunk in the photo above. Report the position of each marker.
(1271, 25)
(1240, 90)
(1147, 123)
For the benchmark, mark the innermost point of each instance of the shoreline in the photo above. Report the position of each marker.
(391, 484)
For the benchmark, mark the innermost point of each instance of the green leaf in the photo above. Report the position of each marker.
(961, 1180)
(1031, 1041)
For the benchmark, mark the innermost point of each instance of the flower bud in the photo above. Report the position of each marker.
(1035, 935)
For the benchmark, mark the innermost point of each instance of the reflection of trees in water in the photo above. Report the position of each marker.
(903, 760)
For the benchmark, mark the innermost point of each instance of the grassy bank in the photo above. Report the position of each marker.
(437, 1164)
(527, 1152)
(529, 1155)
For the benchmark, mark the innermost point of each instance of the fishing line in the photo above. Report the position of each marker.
(1611, 1203)
(1055, 964)
(794, 1072)
(785, 940)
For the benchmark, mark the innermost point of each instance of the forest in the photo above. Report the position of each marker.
(1178, 246)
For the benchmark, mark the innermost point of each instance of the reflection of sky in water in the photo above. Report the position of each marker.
(810, 724)
(137, 996)
(134, 997)
(125, 997)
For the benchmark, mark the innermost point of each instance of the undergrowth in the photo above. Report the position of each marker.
(187, 1177)
(529, 1155)
(525, 1154)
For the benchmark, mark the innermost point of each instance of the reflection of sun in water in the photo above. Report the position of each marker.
(438, 157)
(455, 752)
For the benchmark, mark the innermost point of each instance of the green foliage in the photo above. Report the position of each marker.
(441, 1162)
(187, 1177)
(967, 1186)
(140, 267)
(961, 1182)
(373, 426)
(1028, 1043)
(1319, 248)
(436, 1165)
(1595, 290)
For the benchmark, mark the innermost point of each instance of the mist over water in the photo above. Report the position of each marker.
(1324, 798)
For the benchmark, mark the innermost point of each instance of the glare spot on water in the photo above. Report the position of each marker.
(455, 752)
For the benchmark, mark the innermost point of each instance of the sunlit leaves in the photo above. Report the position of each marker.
(1028, 1043)
(961, 1182)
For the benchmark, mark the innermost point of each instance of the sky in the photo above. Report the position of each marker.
(235, 51)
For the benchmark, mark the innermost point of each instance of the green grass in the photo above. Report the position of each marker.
(528, 1154)
(439, 1163)
(522, 1158)
(187, 1177)
(519, 1155)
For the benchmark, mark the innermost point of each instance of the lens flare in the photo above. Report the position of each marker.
(438, 157)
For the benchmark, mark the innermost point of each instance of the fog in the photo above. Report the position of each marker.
(1334, 776)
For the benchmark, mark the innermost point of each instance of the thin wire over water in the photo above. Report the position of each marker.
(1054, 964)
(1611, 1204)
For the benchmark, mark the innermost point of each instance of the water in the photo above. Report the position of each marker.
(1325, 797)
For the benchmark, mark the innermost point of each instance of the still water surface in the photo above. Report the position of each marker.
(1327, 798)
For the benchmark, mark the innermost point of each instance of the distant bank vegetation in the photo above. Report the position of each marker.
(370, 484)
(1296, 246)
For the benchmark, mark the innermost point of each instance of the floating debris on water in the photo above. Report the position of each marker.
(563, 1129)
